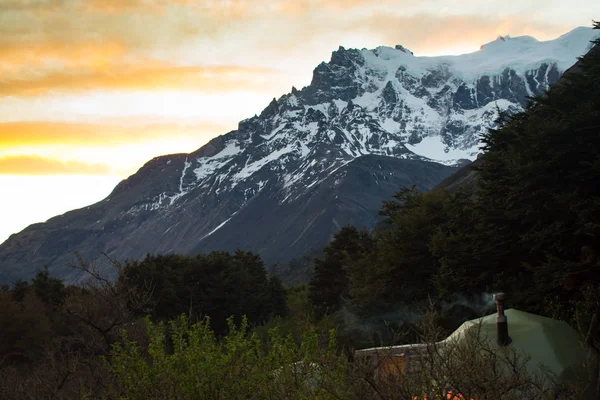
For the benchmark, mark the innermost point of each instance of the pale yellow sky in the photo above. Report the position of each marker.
(91, 89)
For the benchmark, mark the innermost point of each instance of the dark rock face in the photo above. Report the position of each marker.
(335, 79)
(284, 182)
(463, 179)
(124, 227)
(351, 195)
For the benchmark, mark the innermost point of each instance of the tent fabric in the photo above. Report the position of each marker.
(546, 341)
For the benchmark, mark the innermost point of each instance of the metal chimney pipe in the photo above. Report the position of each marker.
(501, 322)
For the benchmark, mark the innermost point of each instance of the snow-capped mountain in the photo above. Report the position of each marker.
(315, 159)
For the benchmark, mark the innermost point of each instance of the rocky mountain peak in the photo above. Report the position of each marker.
(313, 160)
(271, 110)
(403, 49)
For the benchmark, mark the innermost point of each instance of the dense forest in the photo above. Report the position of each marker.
(216, 326)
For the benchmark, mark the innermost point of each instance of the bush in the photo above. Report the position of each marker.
(238, 366)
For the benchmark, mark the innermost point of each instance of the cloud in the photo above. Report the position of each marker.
(147, 6)
(31, 5)
(118, 147)
(154, 25)
(141, 76)
(136, 24)
(35, 134)
(150, 24)
(430, 33)
(34, 165)
(74, 45)
(23, 62)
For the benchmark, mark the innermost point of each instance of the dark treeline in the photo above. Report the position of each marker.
(216, 285)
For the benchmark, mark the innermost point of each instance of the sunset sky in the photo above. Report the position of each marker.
(91, 89)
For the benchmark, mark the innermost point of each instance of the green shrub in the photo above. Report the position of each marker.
(186, 361)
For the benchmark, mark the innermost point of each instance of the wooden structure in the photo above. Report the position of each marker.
(393, 361)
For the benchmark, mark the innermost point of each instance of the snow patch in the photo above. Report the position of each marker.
(274, 132)
(369, 100)
(433, 148)
(520, 54)
(182, 190)
(208, 165)
(231, 149)
(389, 125)
(323, 107)
(340, 104)
(251, 168)
(217, 228)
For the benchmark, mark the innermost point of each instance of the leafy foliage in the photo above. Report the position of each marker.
(217, 285)
(237, 366)
(402, 266)
(330, 282)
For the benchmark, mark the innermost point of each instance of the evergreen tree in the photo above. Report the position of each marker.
(403, 266)
(217, 285)
(330, 281)
(454, 246)
(20, 289)
(49, 290)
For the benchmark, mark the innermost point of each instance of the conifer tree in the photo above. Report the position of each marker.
(330, 281)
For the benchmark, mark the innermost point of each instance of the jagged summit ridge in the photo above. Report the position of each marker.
(385, 82)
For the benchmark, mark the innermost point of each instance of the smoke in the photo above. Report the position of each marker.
(402, 312)
(479, 304)
(385, 326)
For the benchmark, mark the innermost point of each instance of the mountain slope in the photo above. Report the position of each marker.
(314, 160)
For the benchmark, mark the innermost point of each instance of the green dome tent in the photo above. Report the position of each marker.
(545, 341)
(548, 345)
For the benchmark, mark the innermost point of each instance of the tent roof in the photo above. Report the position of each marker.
(546, 341)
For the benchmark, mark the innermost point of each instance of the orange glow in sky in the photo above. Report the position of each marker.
(92, 89)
